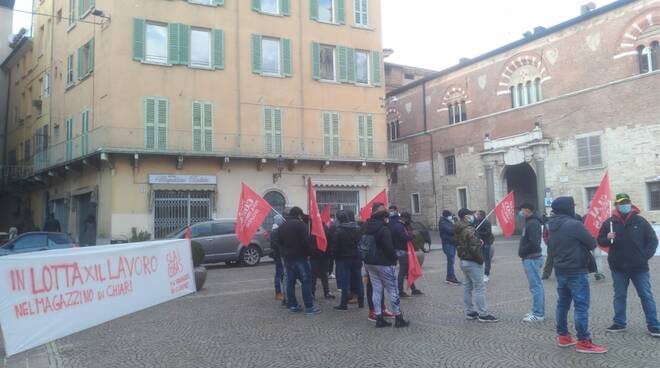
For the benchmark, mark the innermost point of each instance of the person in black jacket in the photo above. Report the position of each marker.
(632, 243)
(446, 227)
(295, 246)
(382, 267)
(320, 263)
(400, 239)
(572, 245)
(485, 232)
(280, 274)
(531, 254)
(52, 225)
(344, 244)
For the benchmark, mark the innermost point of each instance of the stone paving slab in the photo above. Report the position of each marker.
(235, 322)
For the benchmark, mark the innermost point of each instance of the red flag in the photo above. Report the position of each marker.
(325, 216)
(315, 218)
(414, 269)
(365, 212)
(188, 232)
(506, 214)
(599, 209)
(252, 210)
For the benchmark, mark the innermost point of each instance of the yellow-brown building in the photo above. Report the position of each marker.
(149, 114)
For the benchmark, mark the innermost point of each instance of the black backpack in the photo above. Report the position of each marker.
(367, 248)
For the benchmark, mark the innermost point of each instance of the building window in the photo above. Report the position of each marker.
(648, 57)
(45, 85)
(457, 112)
(69, 139)
(27, 153)
(450, 165)
(361, 8)
(69, 71)
(326, 11)
(589, 193)
(327, 62)
(156, 43)
(393, 130)
(206, 2)
(362, 66)
(589, 151)
(200, 48)
(270, 6)
(72, 13)
(415, 204)
(156, 118)
(84, 7)
(202, 126)
(84, 133)
(270, 55)
(272, 130)
(331, 134)
(366, 135)
(654, 196)
(86, 59)
(462, 197)
(537, 89)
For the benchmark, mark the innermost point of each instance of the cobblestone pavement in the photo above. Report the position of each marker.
(235, 322)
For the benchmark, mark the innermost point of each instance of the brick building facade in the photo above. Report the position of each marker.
(544, 116)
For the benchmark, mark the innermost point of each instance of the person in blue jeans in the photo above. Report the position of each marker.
(446, 227)
(632, 243)
(280, 272)
(530, 252)
(295, 247)
(344, 248)
(572, 245)
(485, 232)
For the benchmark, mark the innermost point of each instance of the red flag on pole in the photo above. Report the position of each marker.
(506, 214)
(325, 216)
(599, 209)
(414, 268)
(315, 218)
(365, 212)
(252, 210)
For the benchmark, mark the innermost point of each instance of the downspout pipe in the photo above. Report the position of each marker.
(430, 135)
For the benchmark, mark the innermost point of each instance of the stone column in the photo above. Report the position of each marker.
(540, 184)
(490, 187)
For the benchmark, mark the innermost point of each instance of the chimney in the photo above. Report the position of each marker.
(586, 8)
(538, 30)
(463, 60)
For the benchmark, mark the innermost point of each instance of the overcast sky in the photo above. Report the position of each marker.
(434, 34)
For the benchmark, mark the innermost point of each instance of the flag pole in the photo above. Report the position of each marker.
(611, 223)
(484, 220)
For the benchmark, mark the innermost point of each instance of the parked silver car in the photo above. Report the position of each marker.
(218, 238)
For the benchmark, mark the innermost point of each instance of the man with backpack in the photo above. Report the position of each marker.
(344, 243)
(379, 256)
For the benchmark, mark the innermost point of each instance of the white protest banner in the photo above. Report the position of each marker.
(52, 294)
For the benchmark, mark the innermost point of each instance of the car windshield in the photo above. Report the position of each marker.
(60, 239)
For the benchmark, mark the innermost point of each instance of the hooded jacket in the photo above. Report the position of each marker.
(530, 242)
(468, 244)
(400, 236)
(385, 253)
(345, 240)
(568, 239)
(635, 242)
(294, 239)
(446, 231)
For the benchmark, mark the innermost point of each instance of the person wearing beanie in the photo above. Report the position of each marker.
(632, 243)
(446, 227)
(571, 244)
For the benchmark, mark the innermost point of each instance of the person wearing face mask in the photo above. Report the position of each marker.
(400, 239)
(446, 227)
(530, 252)
(632, 243)
(470, 250)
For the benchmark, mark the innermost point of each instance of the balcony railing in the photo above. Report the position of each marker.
(174, 142)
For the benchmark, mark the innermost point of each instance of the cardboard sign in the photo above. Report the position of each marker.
(52, 294)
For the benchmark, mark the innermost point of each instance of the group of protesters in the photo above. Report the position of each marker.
(630, 239)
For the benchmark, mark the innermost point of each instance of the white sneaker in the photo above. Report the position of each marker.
(532, 318)
(486, 278)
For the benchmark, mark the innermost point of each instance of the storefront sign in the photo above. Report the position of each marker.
(182, 179)
(52, 294)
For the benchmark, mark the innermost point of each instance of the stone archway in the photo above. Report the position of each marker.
(521, 179)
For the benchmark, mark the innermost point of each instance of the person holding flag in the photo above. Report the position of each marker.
(531, 254)
(632, 242)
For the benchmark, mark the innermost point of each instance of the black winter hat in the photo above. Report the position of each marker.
(464, 212)
(564, 206)
(446, 213)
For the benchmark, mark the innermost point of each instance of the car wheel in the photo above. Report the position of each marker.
(251, 256)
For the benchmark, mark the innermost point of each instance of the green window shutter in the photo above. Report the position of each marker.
(256, 5)
(197, 126)
(314, 9)
(335, 134)
(90, 56)
(362, 135)
(356, 11)
(69, 139)
(365, 12)
(375, 68)
(138, 39)
(72, 12)
(84, 130)
(285, 7)
(370, 135)
(256, 54)
(286, 57)
(81, 72)
(350, 60)
(340, 12)
(342, 55)
(218, 2)
(218, 49)
(173, 43)
(149, 123)
(268, 130)
(327, 134)
(161, 123)
(184, 44)
(277, 131)
(316, 61)
(208, 127)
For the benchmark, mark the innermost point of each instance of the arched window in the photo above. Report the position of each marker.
(649, 57)
(522, 101)
(514, 96)
(278, 202)
(537, 88)
(393, 130)
(457, 112)
(463, 111)
(531, 94)
(523, 76)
